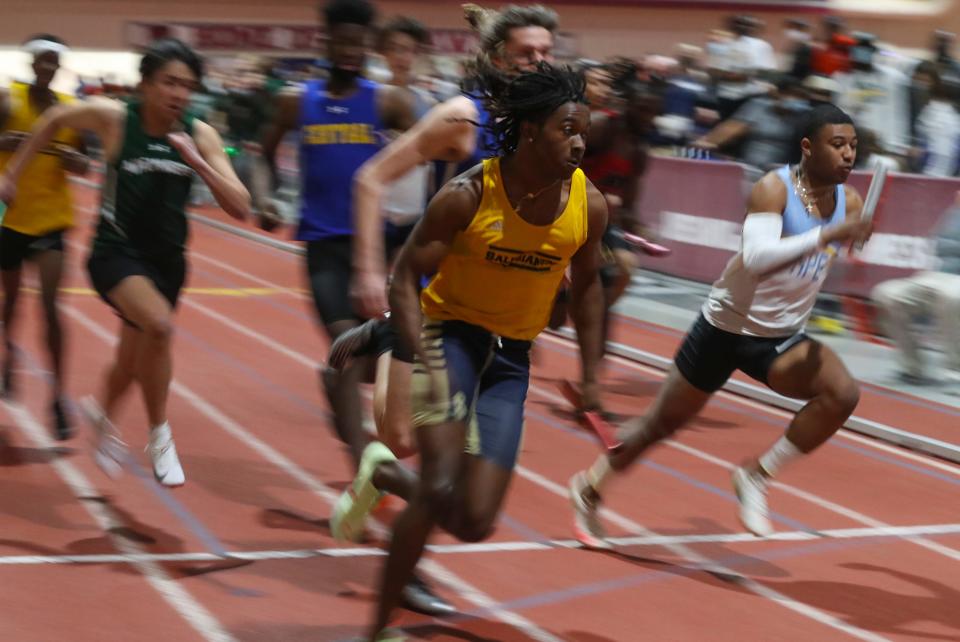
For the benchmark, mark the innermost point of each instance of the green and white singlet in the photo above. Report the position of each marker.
(144, 196)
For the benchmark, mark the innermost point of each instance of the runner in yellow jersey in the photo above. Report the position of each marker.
(497, 240)
(33, 225)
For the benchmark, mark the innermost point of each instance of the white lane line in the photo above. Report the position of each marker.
(486, 547)
(226, 267)
(755, 587)
(708, 565)
(792, 490)
(845, 434)
(833, 507)
(202, 621)
(819, 501)
(679, 549)
(438, 572)
(775, 412)
(239, 328)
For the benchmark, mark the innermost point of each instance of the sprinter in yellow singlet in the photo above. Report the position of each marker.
(33, 226)
(497, 240)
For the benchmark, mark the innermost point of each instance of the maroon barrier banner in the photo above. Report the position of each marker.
(228, 37)
(698, 209)
(279, 38)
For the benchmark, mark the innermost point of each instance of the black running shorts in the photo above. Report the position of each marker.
(16, 247)
(108, 267)
(709, 355)
(329, 270)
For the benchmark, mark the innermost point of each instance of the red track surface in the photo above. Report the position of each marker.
(262, 467)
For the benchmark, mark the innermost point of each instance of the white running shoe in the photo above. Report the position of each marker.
(109, 451)
(752, 495)
(587, 528)
(163, 452)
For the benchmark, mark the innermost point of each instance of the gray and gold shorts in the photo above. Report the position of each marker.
(474, 377)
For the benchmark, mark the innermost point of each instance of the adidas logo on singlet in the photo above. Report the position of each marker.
(495, 226)
(337, 109)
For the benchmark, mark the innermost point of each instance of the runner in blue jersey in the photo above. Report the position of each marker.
(342, 122)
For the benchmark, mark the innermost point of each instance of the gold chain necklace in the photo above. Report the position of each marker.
(532, 196)
(808, 202)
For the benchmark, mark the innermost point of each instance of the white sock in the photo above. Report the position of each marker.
(160, 434)
(779, 455)
(599, 474)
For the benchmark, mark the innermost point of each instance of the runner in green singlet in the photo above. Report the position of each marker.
(137, 263)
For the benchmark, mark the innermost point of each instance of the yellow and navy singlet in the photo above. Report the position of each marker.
(502, 273)
(43, 201)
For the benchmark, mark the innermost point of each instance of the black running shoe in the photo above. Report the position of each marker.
(419, 597)
(354, 342)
